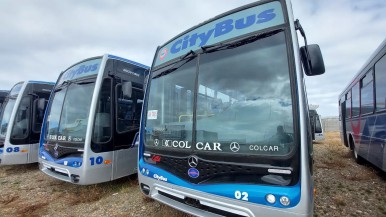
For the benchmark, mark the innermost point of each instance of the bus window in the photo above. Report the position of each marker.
(102, 123)
(380, 84)
(20, 125)
(348, 104)
(367, 98)
(355, 100)
(128, 109)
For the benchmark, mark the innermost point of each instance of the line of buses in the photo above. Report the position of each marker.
(219, 125)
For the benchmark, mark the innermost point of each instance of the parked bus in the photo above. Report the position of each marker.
(225, 126)
(21, 121)
(362, 111)
(92, 121)
(316, 126)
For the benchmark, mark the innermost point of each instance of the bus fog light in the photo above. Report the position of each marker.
(270, 198)
(285, 201)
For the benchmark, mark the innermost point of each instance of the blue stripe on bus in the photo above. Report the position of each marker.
(41, 82)
(70, 160)
(256, 193)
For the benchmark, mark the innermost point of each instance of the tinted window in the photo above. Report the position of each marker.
(355, 100)
(102, 122)
(367, 98)
(21, 123)
(380, 83)
(170, 106)
(348, 104)
(248, 88)
(128, 109)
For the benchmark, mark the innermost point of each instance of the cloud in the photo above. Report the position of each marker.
(42, 38)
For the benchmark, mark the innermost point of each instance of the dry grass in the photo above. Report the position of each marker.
(31, 210)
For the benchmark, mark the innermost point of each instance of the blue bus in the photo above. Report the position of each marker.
(21, 121)
(89, 133)
(225, 126)
(362, 111)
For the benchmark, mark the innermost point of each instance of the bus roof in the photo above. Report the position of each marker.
(365, 67)
(128, 61)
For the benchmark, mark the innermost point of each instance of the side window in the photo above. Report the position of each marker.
(348, 104)
(128, 109)
(20, 129)
(38, 109)
(102, 123)
(355, 100)
(367, 96)
(380, 84)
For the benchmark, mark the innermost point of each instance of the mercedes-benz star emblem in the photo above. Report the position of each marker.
(235, 147)
(193, 161)
(56, 153)
(156, 142)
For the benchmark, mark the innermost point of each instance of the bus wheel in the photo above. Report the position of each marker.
(357, 158)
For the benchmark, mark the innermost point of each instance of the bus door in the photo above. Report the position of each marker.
(343, 121)
(129, 98)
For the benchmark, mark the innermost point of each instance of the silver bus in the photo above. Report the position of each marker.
(21, 120)
(92, 121)
(225, 126)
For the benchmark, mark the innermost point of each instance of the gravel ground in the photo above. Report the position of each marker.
(344, 188)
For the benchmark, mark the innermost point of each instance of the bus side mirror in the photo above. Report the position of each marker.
(313, 62)
(127, 89)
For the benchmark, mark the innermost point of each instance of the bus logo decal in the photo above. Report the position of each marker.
(163, 53)
(193, 161)
(193, 173)
(235, 147)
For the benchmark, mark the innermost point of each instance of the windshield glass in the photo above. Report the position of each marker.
(243, 104)
(6, 116)
(69, 113)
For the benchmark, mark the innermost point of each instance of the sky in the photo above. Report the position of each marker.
(39, 39)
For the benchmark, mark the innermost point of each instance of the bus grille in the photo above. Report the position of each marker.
(209, 171)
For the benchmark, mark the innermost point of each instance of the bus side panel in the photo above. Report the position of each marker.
(125, 162)
(377, 149)
(15, 154)
(98, 168)
(33, 153)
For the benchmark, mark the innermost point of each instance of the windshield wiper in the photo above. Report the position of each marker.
(231, 45)
(190, 56)
(62, 85)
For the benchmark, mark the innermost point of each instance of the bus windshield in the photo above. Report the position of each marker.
(6, 116)
(240, 105)
(69, 113)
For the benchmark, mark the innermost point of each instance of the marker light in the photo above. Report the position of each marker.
(107, 162)
(270, 198)
(24, 151)
(285, 201)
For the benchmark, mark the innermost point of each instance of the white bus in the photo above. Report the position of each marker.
(21, 120)
(92, 121)
(225, 126)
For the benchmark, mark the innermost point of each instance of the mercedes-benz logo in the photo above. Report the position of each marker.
(235, 147)
(193, 161)
(156, 142)
(56, 153)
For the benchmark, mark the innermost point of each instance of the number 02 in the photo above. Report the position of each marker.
(241, 195)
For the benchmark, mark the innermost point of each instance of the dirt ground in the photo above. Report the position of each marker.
(344, 188)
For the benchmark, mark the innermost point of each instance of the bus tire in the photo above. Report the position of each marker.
(358, 159)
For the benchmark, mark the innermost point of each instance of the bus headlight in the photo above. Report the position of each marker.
(285, 201)
(270, 198)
